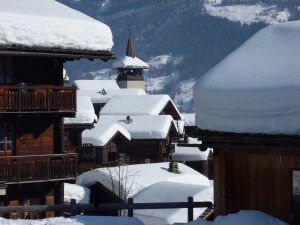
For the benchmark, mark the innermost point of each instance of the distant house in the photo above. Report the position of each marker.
(34, 44)
(248, 112)
(141, 105)
(101, 91)
(137, 139)
(198, 158)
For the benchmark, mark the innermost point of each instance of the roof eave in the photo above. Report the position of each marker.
(70, 54)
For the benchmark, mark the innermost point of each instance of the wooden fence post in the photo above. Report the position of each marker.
(190, 209)
(130, 207)
(73, 202)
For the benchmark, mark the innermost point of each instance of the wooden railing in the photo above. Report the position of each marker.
(37, 98)
(34, 168)
(130, 206)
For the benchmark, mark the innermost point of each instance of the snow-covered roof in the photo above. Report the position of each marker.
(140, 127)
(103, 132)
(96, 85)
(137, 105)
(85, 113)
(183, 153)
(256, 88)
(48, 24)
(98, 96)
(154, 183)
(74, 191)
(129, 62)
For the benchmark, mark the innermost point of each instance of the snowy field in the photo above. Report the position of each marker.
(247, 14)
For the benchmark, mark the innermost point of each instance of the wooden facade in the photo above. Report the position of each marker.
(255, 172)
(33, 102)
(121, 150)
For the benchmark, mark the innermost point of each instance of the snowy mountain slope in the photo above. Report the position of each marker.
(179, 41)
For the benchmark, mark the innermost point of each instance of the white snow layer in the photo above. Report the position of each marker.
(74, 191)
(85, 113)
(47, 23)
(129, 62)
(154, 183)
(255, 89)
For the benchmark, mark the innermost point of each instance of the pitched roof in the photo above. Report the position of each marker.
(139, 105)
(97, 96)
(140, 127)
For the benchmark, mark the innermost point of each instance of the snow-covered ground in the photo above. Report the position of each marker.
(245, 217)
(247, 14)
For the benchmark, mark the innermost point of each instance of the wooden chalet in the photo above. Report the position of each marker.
(103, 146)
(33, 103)
(131, 140)
(248, 112)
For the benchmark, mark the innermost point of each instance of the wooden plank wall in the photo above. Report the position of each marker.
(255, 179)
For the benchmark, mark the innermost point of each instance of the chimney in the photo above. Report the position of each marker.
(128, 120)
(173, 167)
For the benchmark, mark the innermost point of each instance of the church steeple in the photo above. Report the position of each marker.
(130, 68)
(130, 49)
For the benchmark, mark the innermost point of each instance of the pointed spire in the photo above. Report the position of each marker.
(129, 49)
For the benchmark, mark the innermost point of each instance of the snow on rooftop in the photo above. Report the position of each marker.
(140, 127)
(85, 113)
(129, 62)
(255, 89)
(183, 153)
(137, 105)
(98, 96)
(96, 85)
(50, 24)
(74, 191)
(103, 132)
(154, 183)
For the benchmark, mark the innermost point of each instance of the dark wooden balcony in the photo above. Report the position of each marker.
(37, 168)
(37, 98)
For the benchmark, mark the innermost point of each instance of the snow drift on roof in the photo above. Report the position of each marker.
(49, 24)
(85, 113)
(255, 89)
(136, 105)
(103, 132)
(129, 62)
(97, 96)
(140, 127)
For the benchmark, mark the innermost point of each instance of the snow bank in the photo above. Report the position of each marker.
(243, 217)
(255, 89)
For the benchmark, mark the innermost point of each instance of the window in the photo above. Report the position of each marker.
(6, 70)
(6, 137)
(296, 190)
